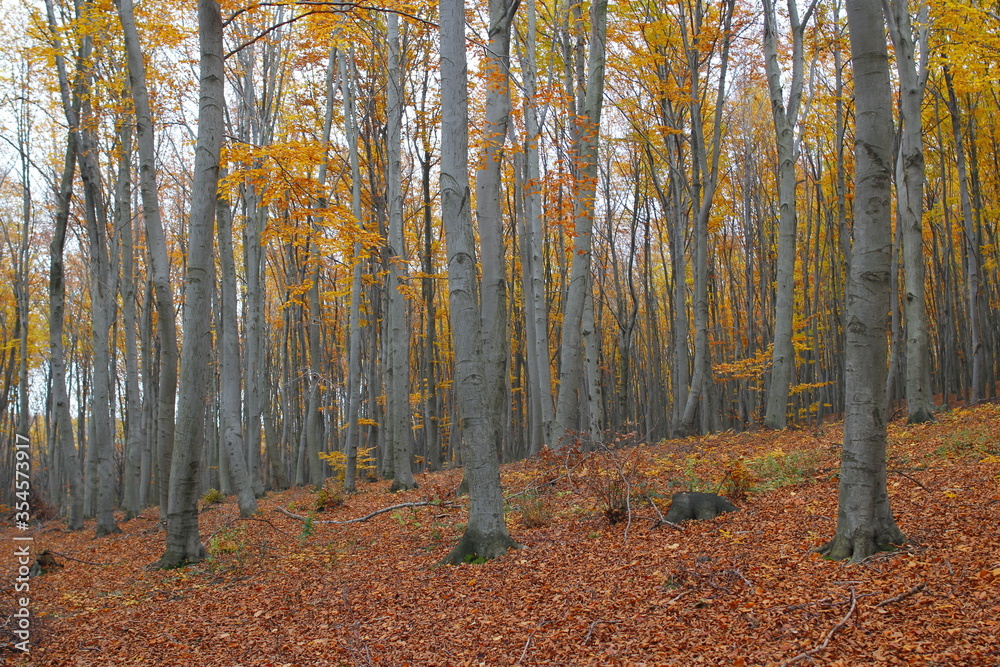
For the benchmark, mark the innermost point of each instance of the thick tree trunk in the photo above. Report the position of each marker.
(864, 520)
(183, 539)
(486, 531)
(488, 214)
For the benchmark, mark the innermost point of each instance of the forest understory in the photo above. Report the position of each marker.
(742, 589)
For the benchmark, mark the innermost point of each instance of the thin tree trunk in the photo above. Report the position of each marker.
(910, 197)
(588, 120)
(398, 343)
(785, 118)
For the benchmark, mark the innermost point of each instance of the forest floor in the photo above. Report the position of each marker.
(742, 589)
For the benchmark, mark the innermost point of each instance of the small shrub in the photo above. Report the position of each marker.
(213, 497)
(739, 480)
(338, 462)
(535, 513)
(328, 496)
(227, 541)
(612, 476)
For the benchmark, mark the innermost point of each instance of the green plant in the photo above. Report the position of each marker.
(212, 496)
(227, 540)
(474, 559)
(330, 495)
(976, 440)
(308, 528)
(778, 468)
(690, 475)
(535, 513)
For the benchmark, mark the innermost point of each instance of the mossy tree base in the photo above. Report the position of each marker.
(398, 486)
(479, 547)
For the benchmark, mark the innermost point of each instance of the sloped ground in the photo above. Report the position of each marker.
(742, 589)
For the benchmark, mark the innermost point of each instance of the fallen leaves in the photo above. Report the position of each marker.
(743, 589)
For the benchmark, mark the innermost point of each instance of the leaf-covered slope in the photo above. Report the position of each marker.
(742, 589)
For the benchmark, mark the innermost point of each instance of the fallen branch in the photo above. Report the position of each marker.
(594, 625)
(900, 472)
(662, 521)
(822, 646)
(374, 514)
(527, 643)
(902, 596)
(85, 562)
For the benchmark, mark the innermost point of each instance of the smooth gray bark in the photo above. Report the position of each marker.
(354, 384)
(587, 118)
(533, 239)
(910, 200)
(785, 117)
(57, 355)
(489, 217)
(864, 520)
(973, 261)
(183, 539)
(706, 166)
(131, 502)
(156, 243)
(486, 531)
(230, 376)
(398, 343)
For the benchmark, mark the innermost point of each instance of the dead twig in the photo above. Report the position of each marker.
(662, 521)
(374, 514)
(902, 596)
(85, 562)
(826, 641)
(593, 625)
(900, 472)
(527, 643)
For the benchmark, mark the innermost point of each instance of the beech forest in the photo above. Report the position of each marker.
(499, 332)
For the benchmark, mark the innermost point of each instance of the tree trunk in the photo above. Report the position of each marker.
(230, 377)
(910, 197)
(486, 531)
(398, 343)
(785, 118)
(586, 133)
(159, 269)
(354, 377)
(183, 539)
(864, 520)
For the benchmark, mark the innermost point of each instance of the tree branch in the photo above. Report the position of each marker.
(426, 503)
